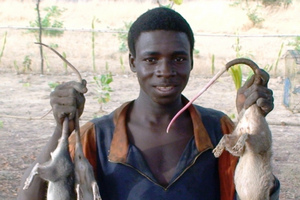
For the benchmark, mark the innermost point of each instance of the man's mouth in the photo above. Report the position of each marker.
(165, 88)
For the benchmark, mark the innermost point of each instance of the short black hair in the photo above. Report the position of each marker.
(160, 18)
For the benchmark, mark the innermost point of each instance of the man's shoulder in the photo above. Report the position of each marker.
(104, 120)
(110, 120)
(215, 119)
(209, 112)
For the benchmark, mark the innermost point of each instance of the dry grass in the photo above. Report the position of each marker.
(212, 17)
(216, 17)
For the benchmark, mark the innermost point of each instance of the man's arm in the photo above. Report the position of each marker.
(38, 186)
(65, 100)
(274, 191)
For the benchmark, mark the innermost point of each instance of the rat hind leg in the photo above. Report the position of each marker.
(238, 149)
(227, 142)
(96, 193)
(48, 171)
(218, 150)
(29, 179)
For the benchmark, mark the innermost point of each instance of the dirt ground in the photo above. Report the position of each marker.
(27, 96)
(24, 98)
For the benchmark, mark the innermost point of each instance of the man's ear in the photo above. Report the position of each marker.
(131, 63)
(192, 64)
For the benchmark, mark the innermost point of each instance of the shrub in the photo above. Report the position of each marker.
(50, 21)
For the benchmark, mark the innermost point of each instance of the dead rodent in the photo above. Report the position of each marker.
(251, 141)
(58, 171)
(65, 177)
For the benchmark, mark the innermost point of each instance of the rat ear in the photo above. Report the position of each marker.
(131, 63)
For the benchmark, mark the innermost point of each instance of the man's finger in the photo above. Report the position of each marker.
(62, 111)
(262, 77)
(266, 105)
(250, 100)
(79, 87)
(63, 101)
(249, 82)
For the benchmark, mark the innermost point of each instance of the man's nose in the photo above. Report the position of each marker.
(165, 69)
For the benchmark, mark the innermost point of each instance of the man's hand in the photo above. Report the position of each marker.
(256, 90)
(66, 99)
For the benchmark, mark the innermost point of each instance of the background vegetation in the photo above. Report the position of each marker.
(222, 30)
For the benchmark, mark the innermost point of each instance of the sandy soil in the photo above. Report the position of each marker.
(25, 97)
(28, 96)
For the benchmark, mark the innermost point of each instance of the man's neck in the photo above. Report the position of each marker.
(152, 109)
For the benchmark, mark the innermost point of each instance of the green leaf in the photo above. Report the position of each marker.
(178, 2)
(53, 85)
(26, 84)
(236, 73)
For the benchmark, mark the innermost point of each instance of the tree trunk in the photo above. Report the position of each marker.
(40, 36)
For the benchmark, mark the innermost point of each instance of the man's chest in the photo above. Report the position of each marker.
(161, 151)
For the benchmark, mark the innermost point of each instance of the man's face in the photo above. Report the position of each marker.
(163, 64)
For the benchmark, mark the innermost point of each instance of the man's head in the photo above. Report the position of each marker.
(159, 19)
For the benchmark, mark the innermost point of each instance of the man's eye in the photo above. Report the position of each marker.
(150, 60)
(179, 59)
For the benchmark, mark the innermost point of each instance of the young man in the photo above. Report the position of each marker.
(132, 155)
